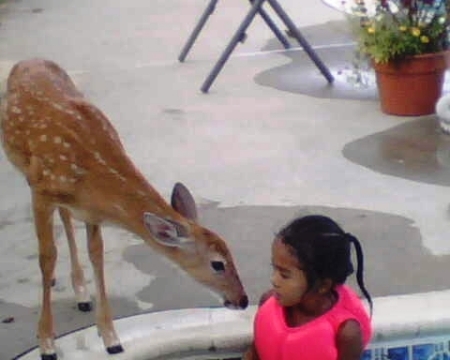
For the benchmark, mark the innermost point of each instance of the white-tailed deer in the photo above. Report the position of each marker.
(74, 162)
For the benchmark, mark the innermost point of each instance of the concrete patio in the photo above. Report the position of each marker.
(270, 141)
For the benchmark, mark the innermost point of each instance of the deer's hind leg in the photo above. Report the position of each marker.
(77, 275)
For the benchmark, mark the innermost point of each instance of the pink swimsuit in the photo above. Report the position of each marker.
(315, 340)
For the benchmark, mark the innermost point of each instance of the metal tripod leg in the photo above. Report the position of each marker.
(302, 41)
(232, 44)
(277, 32)
(206, 14)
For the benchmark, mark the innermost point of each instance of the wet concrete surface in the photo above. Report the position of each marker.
(386, 238)
(19, 335)
(417, 150)
(250, 231)
(335, 45)
(392, 269)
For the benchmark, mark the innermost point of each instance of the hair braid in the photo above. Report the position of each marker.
(360, 267)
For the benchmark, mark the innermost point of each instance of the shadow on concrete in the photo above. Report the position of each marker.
(415, 150)
(335, 46)
(395, 260)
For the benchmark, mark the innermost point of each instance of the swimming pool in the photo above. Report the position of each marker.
(408, 327)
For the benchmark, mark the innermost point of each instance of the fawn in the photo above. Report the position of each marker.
(74, 162)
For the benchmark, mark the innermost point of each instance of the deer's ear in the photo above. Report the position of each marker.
(166, 232)
(183, 202)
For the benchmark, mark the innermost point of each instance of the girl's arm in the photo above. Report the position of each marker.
(350, 341)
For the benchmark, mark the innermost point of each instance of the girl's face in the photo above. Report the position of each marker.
(288, 279)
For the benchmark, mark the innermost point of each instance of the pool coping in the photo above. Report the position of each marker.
(213, 331)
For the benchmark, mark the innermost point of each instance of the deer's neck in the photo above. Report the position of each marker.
(123, 200)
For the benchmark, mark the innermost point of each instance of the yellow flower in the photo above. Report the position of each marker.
(415, 31)
(402, 28)
(425, 39)
(371, 30)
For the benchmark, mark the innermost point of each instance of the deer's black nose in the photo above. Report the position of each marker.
(243, 303)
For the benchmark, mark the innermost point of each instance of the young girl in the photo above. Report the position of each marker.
(310, 314)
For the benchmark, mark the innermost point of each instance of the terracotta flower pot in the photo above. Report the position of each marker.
(411, 87)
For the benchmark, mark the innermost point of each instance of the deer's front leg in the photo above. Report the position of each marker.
(103, 310)
(77, 275)
(43, 219)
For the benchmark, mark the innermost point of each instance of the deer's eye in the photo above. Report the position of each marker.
(218, 266)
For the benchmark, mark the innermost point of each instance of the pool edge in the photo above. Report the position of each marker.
(168, 333)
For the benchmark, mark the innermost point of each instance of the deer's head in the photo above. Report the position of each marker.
(197, 250)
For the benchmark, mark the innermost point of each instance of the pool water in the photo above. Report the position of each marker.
(431, 348)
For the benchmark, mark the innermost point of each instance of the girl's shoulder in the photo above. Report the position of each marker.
(350, 307)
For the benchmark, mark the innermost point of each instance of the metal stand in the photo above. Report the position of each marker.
(240, 35)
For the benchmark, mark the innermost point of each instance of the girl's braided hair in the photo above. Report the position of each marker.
(323, 248)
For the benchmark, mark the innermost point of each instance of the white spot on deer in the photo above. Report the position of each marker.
(77, 170)
(16, 110)
(46, 172)
(66, 145)
(99, 158)
(119, 208)
(73, 180)
(57, 106)
(43, 138)
(63, 157)
(141, 193)
(43, 126)
(62, 178)
(57, 140)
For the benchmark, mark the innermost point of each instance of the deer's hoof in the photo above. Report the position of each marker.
(85, 306)
(114, 349)
(49, 357)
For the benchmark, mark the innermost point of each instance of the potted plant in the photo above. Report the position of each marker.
(407, 43)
